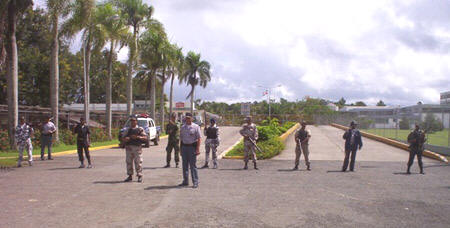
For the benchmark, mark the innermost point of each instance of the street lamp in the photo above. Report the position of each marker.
(269, 91)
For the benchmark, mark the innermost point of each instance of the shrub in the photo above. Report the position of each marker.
(267, 132)
(4, 140)
(270, 148)
(404, 124)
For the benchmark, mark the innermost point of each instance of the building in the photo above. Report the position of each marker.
(417, 113)
(382, 116)
(445, 98)
(96, 107)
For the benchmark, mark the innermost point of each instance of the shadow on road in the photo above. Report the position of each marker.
(404, 173)
(109, 182)
(335, 171)
(369, 167)
(431, 166)
(290, 170)
(154, 168)
(162, 187)
(235, 169)
(65, 168)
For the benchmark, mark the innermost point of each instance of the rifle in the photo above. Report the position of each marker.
(254, 144)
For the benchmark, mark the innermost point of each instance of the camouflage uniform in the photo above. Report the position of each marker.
(249, 131)
(133, 150)
(211, 143)
(417, 140)
(23, 138)
(173, 130)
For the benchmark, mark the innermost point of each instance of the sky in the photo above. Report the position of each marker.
(362, 50)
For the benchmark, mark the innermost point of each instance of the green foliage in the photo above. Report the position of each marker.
(4, 140)
(431, 123)
(404, 124)
(381, 103)
(270, 148)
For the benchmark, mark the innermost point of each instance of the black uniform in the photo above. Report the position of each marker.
(353, 141)
(83, 133)
(416, 140)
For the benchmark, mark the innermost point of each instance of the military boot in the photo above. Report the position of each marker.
(254, 165)
(167, 166)
(308, 167)
(246, 166)
(206, 166)
(129, 178)
(295, 167)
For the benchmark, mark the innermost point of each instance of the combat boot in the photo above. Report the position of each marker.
(206, 166)
(129, 178)
(295, 167)
(246, 166)
(82, 165)
(140, 179)
(254, 165)
(176, 165)
(308, 167)
(407, 171)
(167, 166)
(215, 165)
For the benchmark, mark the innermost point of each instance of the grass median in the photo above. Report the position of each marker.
(439, 138)
(56, 149)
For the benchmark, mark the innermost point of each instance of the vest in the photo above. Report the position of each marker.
(302, 135)
(211, 132)
(134, 131)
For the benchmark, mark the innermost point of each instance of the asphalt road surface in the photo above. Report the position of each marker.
(379, 194)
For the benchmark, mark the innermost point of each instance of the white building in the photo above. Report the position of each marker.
(383, 116)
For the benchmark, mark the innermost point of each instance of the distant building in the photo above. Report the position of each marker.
(417, 113)
(96, 107)
(383, 116)
(445, 98)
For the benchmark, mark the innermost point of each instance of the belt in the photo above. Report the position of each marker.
(191, 144)
(47, 134)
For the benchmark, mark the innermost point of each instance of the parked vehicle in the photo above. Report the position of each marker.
(148, 124)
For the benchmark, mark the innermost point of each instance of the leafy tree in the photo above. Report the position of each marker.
(341, 102)
(404, 124)
(196, 72)
(9, 13)
(177, 70)
(431, 123)
(381, 103)
(360, 103)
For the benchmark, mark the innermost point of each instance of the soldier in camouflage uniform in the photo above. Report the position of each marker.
(133, 137)
(23, 135)
(173, 130)
(211, 143)
(250, 133)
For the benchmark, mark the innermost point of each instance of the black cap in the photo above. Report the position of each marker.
(212, 120)
(188, 114)
(303, 123)
(353, 123)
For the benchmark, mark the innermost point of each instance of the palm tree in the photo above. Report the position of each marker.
(86, 20)
(136, 13)
(177, 69)
(196, 72)
(153, 42)
(12, 9)
(116, 32)
(56, 9)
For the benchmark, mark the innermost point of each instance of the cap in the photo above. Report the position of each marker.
(303, 123)
(188, 114)
(353, 123)
(212, 120)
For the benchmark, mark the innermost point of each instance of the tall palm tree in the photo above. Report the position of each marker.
(177, 69)
(168, 55)
(196, 72)
(153, 42)
(116, 32)
(85, 19)
(12, 9)
(57, 10)
(136, 13)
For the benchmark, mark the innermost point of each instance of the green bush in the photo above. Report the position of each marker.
(4, 140)
(270, 148)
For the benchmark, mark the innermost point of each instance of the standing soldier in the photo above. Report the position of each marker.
(211, 143)
(353, 141)
(23, 135)
(416, 140)
(173, 130)
(83, 142)
(250, 134)
(133, 138)
(190, 138)
(46, 138)
(302, 137)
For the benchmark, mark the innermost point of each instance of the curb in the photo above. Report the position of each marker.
(67, 152)
(395, 143)
(282, 137)
(222, 155)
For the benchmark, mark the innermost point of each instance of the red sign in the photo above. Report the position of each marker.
(179, 105)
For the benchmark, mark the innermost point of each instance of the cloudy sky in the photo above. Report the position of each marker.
(368, 50)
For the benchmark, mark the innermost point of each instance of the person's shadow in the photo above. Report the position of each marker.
(335, 171)
(404, 173)
(234, 169)
(109, 182)
(163, 187)
(291, 170)
(155, 168)
(65, 168)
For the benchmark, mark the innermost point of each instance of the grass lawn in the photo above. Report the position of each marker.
(437, 138)
(59, 148)
(11, 162)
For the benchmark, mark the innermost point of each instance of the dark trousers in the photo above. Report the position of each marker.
(353, 159)
(80, 147)
(46, 141)
(412, 153)
(173, 145)
(189, 161)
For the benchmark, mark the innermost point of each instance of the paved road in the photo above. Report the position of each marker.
(55, 194)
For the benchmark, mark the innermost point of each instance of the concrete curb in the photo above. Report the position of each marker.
(282, 137)
(395, 143)
(67, 152)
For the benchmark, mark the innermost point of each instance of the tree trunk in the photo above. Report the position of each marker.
(171, 95)
(161, 101)
(133, 50)
(109, 92)
(153, 95)
(192, 100)
(12, 73)
(54, 77)
(87, 64)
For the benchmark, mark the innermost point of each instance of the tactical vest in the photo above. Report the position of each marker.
(211, 132)
(134, 131)
(302, 135)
